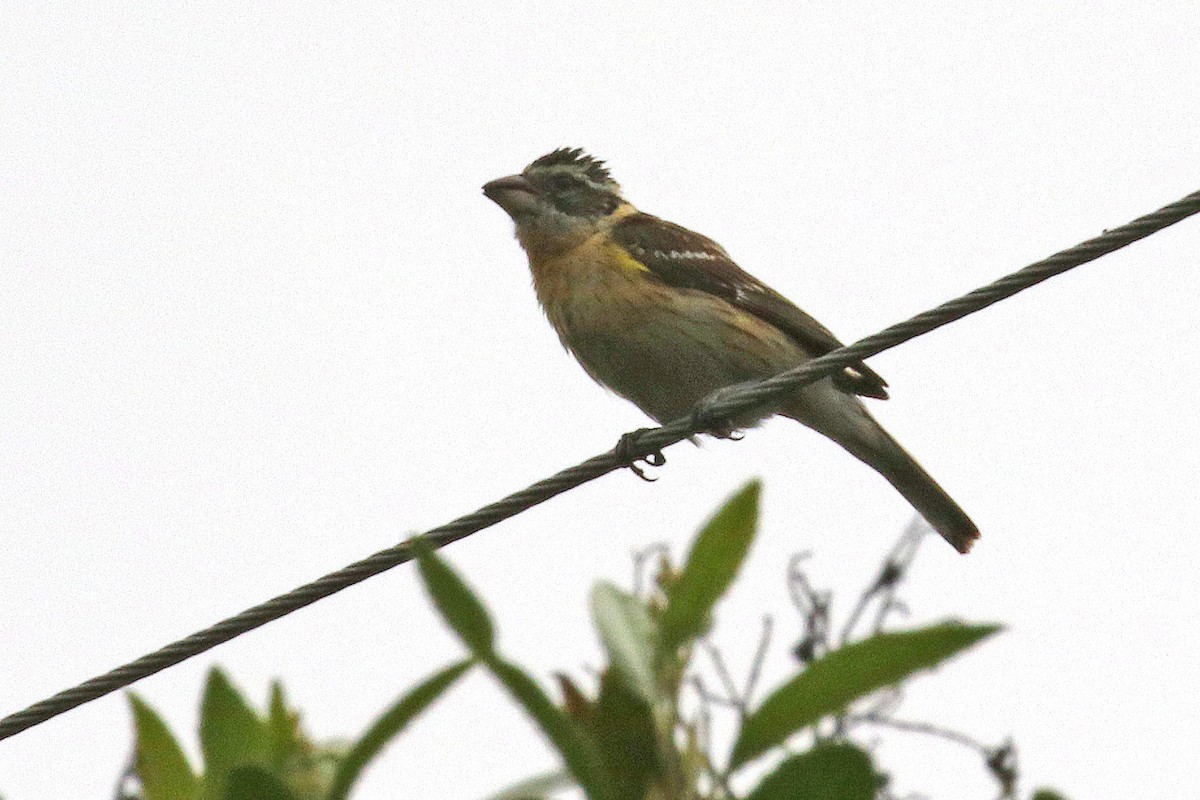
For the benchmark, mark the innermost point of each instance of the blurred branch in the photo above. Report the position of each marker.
(125, 781)
(813, 607)
(920, 727)
(735, 698)
(1001, 761)
(760, 655)
(723, 674)
(641, 559)
(891, 574)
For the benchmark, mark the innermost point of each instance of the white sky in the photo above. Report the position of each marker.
(257, 321)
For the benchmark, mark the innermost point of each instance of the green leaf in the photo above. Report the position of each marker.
(622, 724)
(459, 606)
(464, 612)
(1048, 794)
(578, 750)
(389, 725)
(835, 771)
(231, 734)
(711, 566)
(628, 636)
(538, 787)
(255, 783)
(282, 726)
(162, 768)
(831, 683)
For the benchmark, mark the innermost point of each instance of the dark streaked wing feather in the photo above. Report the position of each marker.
(684, 258)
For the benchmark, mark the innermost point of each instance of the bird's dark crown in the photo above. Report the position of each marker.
(576, 158)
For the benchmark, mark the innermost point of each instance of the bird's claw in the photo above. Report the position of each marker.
(629, 453)
(705, 420)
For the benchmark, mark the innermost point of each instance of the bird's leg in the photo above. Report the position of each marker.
(628, 451)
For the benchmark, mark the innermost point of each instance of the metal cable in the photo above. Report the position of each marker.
(646, 443)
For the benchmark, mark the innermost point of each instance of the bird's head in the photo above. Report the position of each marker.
(559, 199)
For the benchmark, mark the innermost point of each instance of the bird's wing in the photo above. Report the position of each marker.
(683, 258)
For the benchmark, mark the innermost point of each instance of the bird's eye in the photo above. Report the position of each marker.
(562, 182)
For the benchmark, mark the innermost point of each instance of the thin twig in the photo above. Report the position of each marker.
(640, 557)
(891, 572)
(1001, 762)
(760, 656)
(710, 697)
(704, 725)
(921, 727)
(910, 543)
(814, 608)
(725, 676)
(128, 777)
(889, 700)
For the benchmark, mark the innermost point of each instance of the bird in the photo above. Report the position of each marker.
(664, 317)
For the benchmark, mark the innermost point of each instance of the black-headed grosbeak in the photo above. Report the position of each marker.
(664, 317)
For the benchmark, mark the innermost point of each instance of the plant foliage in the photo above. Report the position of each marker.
(641, 732)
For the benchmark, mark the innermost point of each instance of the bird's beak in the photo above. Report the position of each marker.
(514, 194)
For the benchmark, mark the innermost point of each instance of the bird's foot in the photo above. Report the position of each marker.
(629, 452)
(706, 419)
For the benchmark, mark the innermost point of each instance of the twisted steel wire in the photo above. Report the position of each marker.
(640, 444)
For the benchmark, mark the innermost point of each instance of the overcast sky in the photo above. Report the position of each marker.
(257, 321)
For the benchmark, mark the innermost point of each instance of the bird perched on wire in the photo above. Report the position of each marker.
(663, 317)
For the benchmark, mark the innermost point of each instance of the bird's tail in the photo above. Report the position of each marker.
(867, 441)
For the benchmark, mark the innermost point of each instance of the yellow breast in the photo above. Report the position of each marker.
(589, 283)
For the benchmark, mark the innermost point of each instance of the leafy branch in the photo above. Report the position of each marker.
(643, 731)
